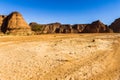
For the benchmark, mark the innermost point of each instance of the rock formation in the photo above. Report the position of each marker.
(2, 17)
(51, 28)
(15, 24)
(58, 28)
(115, 26)
(78, 28)
(96, 27)
(65, 28)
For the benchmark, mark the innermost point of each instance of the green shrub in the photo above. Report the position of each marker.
(37, 28)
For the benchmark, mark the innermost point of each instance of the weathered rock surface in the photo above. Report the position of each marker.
(15, 24)
(2, 17)
(96, 27)
(115, 26)
(51, 28)
(58, 28)
(78, 28)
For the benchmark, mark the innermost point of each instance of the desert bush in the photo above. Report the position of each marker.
(36, 28)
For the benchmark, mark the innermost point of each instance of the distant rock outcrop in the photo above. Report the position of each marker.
(96, 27)
(115, 26)
(51, 28)
(65, 28)
(78, 28)
(15, 24)
(37, 28)
(57, 28)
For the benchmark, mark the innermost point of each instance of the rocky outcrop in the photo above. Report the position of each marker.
(15, 24)
(115, 26)
(51, 28)
(37, 28)
(57, 28)
(2, 17)
(78, 28)
(96, 27)
(65, 28)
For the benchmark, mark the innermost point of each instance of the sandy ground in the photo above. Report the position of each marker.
(60, 57)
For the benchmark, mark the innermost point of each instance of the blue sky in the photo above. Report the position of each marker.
(64, 11)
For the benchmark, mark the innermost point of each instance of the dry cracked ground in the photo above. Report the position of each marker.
(60, 57)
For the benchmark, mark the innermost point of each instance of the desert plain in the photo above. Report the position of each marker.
(60, 57)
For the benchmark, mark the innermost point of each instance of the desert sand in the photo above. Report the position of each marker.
(60, 57)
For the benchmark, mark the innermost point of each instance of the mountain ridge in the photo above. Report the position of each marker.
(14, 23)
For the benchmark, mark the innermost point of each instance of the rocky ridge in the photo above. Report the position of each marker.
(94, 27)
(14, 23)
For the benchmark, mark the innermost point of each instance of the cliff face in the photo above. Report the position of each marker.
(51, 28)
(2, 17)
(14, 24)
(78, 28)
(58, 28)
(95, 27)
(115, 26)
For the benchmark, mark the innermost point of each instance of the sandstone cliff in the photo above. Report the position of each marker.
(115, 26)
(78, 28)
(96, 27)
(57, 28)
(2, 17)
(15, 24)
(51, 28)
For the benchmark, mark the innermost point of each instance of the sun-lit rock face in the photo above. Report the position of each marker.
(15, 20)
(57, 28)
(115, 26)
(94, 27)
(78, 28)
(51, 28)
(14, 23)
